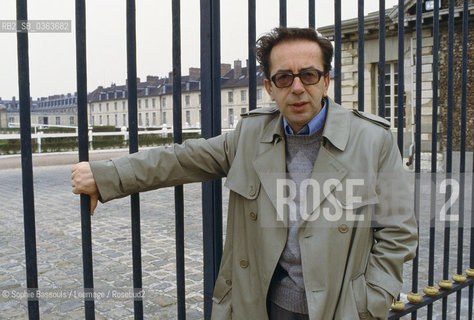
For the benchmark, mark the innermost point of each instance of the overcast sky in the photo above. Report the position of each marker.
(52, 55)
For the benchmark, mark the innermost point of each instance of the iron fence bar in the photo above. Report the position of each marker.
(462, 164)
(133, 147)
(414, 280)
(27, 162)
(449, 148)
(337, 50)
(409, 308)
(252, 68)
(312, 13)
(434, 152)
(381, 58)
(471, 253)
(211, 106)
(282, 13)
(81, 74)
(401, 75)
(360, 68)
(178, 138)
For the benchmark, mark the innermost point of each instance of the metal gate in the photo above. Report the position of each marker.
(211, 122)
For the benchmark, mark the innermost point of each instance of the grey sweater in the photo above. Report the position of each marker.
(287, 287)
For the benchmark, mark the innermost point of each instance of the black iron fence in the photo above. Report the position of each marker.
(211, 121)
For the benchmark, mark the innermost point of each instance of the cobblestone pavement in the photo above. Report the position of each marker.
(58, 236)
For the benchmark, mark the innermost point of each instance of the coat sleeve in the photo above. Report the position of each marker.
(395, 229)
(193, 161)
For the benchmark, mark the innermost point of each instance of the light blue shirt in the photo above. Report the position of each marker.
(311, 127)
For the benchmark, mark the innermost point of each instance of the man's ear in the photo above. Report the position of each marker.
(327, 79)
(268, 87)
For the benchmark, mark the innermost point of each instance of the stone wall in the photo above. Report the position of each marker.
(457, 86)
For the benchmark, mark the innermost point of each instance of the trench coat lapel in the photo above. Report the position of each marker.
(326, 167)
(270, 165)
(336, 133)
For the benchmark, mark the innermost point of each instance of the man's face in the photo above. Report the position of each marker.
(298, 103)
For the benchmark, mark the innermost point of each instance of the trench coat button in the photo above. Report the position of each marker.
(244, 263)
(343, 228)
(252, 190)
(363, 315)
(253, 216)
(228, 282)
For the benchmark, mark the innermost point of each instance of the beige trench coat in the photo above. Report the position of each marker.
(351, 270)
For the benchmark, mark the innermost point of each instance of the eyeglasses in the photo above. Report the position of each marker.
(307, 77)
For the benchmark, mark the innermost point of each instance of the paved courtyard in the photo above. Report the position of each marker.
(58, 236)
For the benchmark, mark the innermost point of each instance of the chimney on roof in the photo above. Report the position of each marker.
(194, 74)
(225, 68)
(170, 77)
(151, 79)
(237, 69)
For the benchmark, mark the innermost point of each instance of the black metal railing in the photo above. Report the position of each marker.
(211, 126)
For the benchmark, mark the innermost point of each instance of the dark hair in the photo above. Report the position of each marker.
(266, 43)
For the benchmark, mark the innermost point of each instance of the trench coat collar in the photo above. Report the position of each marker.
(337, 126)
(273, 130)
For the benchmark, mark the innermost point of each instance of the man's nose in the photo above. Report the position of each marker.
(297, 87)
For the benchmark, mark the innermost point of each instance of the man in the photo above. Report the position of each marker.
(319, 224)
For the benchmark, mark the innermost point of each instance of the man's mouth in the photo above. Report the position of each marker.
(298, 104)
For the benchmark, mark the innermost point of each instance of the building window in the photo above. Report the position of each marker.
(115, 105)
(154, 117)
(188, 116)
(140, 122)
(100, 107)
(187, 100)
(92, 107)
(92, 120)
(243, 110)
(123, 105)
(231, 118)
(116, 120)
(108, 120)
(163, 102)
(58, 120)
(163, 118)
(230, 97)
(153, 102)
(71, 121)
(391, 92)
(107, 106)
(124, 119)
(259, 94)
(147, 120)
(243, 95)
(40, 120)
(139, 104)
(146, 103)
(100, 120)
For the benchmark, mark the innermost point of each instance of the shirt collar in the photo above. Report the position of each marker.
(312, 126)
